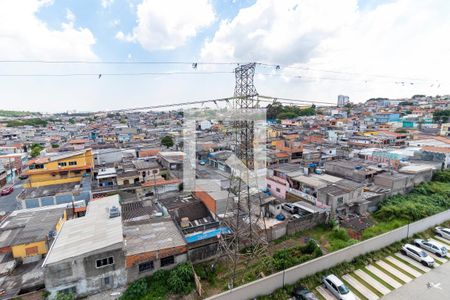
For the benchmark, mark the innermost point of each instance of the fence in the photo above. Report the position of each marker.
(272, 282)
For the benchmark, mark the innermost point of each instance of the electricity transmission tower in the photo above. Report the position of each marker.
(244, 204)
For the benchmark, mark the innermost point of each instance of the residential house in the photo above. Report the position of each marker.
(60, 168)
(87, 255)
(27, 234)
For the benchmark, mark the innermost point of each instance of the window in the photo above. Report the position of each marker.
(72, 163)
(62, 164)
(278, 190)
(269, 186)
(70, 290)
(146, 266)
(100, 263)
(107, 280)
(167, 261)
(340, 200)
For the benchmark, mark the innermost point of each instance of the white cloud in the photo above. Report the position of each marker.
(70, 16)
(282, 31)
(106, 3)
(24, 35)
(400, 38)
(168, 24)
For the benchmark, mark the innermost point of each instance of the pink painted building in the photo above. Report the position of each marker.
(277, 186)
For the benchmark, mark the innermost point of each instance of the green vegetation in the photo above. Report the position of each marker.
(64, 296)
(179, 281)
(441, 116)
(167, 141)
(280, 112)
(28, 122)
(15, 114)
(425, 200)
(36, 150)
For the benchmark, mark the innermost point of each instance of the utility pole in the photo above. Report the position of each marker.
(243, 213)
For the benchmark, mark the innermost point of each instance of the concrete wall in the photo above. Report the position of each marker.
(270, 283)
(134, 274)
(81, 273)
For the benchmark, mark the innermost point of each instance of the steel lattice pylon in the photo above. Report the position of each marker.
(243, 209)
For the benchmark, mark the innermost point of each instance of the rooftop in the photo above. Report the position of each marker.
(92, 232)
(160, 234)
(29, 225)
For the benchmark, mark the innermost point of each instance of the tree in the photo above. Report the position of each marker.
(167, 141)
(36, 150)
(441, 116)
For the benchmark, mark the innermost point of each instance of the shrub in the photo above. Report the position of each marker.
(136, 290)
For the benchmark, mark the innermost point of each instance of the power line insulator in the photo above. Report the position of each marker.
(194, 66)
(277, 67)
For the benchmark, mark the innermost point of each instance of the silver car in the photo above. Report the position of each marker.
(338, 288)
(417, 254)
(432, 247)
(443, 232)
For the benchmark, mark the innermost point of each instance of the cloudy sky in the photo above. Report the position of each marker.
(363, 49)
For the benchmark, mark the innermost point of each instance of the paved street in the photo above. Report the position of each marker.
(8, 203)
(418, 289)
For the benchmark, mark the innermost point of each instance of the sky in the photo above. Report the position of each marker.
(324, 48)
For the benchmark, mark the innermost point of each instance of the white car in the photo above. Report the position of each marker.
(338, 288)
(288, 207)
(432, 247)
(443, 232)
(417, 254)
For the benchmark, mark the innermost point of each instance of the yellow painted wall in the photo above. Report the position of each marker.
(61, 222)
(43, 177)
(19, 251)
(49, 180)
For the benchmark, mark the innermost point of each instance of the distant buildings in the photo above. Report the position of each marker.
(342, 100)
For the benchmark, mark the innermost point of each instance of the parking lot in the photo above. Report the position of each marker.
(384, 276)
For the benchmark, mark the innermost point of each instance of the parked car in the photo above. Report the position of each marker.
(432, 247)
(295, 216)
(417, 254)
(7, 190)
(288, 207)
(443, 232)
(338, 288)
(302, 293)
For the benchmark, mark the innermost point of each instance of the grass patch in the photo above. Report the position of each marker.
(399, 269)
(355, 291)
(390, 274)
(318, 295)
(442, 240)
(367, 285)
(387, 285)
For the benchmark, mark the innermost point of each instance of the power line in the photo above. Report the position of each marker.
(100, 74)
(278, 67)
(194, 64)
(117, 62)
(261, 98)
